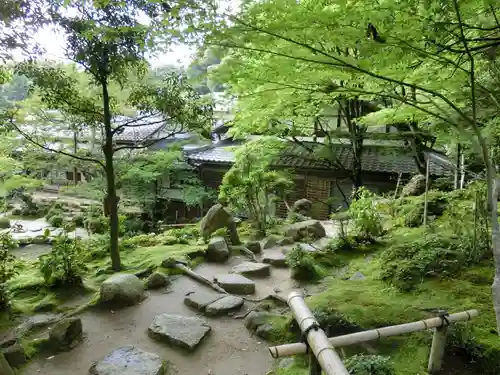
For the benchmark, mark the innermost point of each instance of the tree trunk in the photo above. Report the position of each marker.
(111, 200)
(493, 185)
(75, 150)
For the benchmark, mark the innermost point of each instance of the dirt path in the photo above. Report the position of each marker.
(228, 350)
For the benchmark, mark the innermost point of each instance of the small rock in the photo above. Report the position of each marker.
(201, 299)
(286, 241)
(217, 250)
(252, 269)
(144, 273)
(183, 332)
(122, 290)
(257, 318)
(35, 322)
(254, 247)
(15, 355)
(264, 331)
(357, 276)
(276, 259)
(66, 334)
(224, 305)
(234, 283)
(157, 280)
(129, 360)
(269, 242)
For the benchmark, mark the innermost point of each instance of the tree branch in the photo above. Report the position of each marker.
(38, 144)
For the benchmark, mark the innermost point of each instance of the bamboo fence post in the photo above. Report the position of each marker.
(314, 367)
(5, 368)
(437, 349)
(322, 349)
(375, 334)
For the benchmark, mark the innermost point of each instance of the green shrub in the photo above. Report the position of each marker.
(54, 211)
(369, 365)
(8, 267)
(64, 265)
(407, 264)
(142, 240)
(56, 221)
(4, 222)
(97, 225)
(169, 240)
(79, 221)
(133, 225)
(303, 264)
(366, 220)
(17, 212)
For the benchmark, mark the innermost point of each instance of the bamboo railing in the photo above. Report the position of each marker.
(323, 347)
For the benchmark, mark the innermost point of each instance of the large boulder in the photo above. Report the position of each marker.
(180, 331)
(217, 217)
(254, 246)
(217, 250)
(122, 290)
(234, 283)
(304, 229)
(129, 360)
(416, 186)
(15, 355)
(302, 206)
(66, 334)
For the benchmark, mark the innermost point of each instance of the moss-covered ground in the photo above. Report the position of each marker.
(372, 303)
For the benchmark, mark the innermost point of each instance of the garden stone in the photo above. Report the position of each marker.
(234, 283)
(252, 269)
(303, 207)
(66, 334)
(303, 229)
(254, 247)
(264, 331)
(180, 331)
(129, 360)
(217, 250)
(217, 217)
(15, 355)
(224, 305)
(157, 280)
(258, 318)
(286, 241)
(416, 186)
(276, 259)
(122, 290)
(200, 299)
(35, 322)
(269, 242)
(357, 276)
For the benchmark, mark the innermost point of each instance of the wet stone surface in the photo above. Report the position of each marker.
(129, 360)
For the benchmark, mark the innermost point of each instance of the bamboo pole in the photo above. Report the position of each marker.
(375, 334)
(437, 349)
(5, 368)
(323, 350)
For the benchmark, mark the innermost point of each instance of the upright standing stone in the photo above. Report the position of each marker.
(218, 250)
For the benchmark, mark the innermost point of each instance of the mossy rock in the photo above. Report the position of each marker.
(4, 222)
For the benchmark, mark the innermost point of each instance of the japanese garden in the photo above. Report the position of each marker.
(273, 187)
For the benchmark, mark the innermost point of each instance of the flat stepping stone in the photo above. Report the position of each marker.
(179, 331)
(252, 269)
(129, 360)
(276, 259)
(201, 299)
(224, 305)
(234, 283)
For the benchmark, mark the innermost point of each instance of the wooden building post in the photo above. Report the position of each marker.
(437, 349)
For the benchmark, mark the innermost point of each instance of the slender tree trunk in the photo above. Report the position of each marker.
(493, 184)
(111, 200)
(75, 150)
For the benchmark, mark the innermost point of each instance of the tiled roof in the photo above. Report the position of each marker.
(374, 158)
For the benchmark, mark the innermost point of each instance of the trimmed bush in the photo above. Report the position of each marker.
(4, 223)
(56, 221)
(97, 225)
(79, 221)
(303, 265)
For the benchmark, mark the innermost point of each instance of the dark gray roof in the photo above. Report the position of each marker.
(375, 158)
